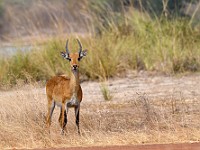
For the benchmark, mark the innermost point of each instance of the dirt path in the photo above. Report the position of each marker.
(156, 87)
(185, 146)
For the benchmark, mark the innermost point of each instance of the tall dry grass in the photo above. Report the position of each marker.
(168, 47)
(131, 40)
(141, 120)
(24, 19)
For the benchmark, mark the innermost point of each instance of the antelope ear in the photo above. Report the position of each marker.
(83, 53)
(64, 55)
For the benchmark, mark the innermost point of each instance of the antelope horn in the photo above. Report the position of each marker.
(66, 47)
(80, 46)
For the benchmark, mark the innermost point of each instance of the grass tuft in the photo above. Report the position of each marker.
(105, 92)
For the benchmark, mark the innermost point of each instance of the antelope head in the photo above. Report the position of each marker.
(74, 58)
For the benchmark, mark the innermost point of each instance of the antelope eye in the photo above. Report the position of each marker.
(69, 59)
(79, 59)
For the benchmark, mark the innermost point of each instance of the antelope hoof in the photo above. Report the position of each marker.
(62, 132)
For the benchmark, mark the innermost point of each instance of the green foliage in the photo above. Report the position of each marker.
(1, 13)
(21, 66)
(128, 40)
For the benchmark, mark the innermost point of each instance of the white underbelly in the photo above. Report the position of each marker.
(70, 103)
(58, 104)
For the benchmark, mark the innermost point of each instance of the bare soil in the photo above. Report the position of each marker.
(185, 146)
(160, 87)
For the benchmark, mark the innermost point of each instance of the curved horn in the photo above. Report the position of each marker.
(80, 46)
(66, 47)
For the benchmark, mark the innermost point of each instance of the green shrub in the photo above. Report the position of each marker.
(131, 40)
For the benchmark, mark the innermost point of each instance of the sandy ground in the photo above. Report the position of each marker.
(193, 146)
(124, 89)
(155, 87)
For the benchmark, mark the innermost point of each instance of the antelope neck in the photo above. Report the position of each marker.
(74, 81)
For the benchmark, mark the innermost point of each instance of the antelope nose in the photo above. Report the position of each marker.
(75, 66)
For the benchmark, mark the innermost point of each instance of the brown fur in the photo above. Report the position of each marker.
(61, 89)
(58, 89)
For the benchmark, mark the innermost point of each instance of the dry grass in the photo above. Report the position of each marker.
(105, 92)
(136, 121)
(41, 18)
(137, 43)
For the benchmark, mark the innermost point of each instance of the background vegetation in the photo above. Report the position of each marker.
(120, 36)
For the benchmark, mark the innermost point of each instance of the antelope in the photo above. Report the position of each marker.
(66, 92)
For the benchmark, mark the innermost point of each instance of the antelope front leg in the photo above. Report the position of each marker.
(77, 110)
(63, 118)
